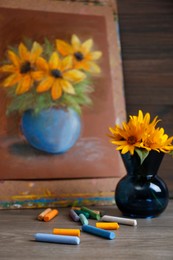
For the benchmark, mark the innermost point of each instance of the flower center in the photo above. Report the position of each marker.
(148, 143)
(25, 67)
(132, 140)
(56, 73)
(79, 56)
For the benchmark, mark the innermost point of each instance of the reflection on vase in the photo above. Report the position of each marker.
(54, 130)
(142, 193)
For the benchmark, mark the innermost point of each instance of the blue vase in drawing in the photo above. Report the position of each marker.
(53, 130)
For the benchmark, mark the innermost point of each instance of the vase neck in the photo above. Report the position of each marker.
(148, 168)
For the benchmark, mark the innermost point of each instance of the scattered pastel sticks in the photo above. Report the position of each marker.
(47, 214)
(103, 228)
(43, 237)
(68, 232)
(125, 221)
(108, 226)
(42, 214)
(98, 231)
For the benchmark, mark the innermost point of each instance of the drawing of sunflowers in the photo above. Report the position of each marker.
(59, 74)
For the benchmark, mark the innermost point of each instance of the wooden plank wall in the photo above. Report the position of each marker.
(146, 31)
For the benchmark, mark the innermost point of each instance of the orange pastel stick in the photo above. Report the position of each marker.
(42, 214)
(67, 232)
(53, 213)
(109, 226)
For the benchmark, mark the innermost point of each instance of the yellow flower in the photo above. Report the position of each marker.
(157, 140)
(22, 68)
(144, 120)
(140, 133)
(58, 76)
(83, 57)
(127, 138)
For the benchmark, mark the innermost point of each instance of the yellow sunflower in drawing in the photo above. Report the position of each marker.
(58, 76)
(21, 69)
(83, 57)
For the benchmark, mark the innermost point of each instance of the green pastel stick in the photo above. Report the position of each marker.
(82, 212)
(91, 212)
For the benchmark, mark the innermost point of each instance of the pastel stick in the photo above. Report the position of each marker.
(125, 221)
(43, 237)
(74, 215)
(98, 231)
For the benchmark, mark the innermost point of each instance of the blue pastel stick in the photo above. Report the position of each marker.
(43, 237)
(98, 231)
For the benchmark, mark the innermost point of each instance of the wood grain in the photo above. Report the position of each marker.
(146, 33)
(151, 238)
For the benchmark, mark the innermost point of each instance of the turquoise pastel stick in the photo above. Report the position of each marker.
(43, 237)
(86, 214)
(83, 219)
(98, 232)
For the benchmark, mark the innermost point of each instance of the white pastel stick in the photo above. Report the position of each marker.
(125, 221)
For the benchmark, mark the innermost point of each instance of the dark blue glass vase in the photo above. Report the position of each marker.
(141, 193)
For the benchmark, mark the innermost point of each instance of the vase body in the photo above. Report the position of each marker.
(142, 193)
(53, 130)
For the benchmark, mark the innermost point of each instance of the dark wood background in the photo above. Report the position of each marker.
(146, 32)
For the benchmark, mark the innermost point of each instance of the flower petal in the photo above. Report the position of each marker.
(74, 75)
(11, 80)
(36, 51)
(81, 65)
(66, 63)
(64, 48)
(87, 66)
(95, 55)
(67, 86)
(23, 52)
(14, 58)
(93, 67)
(56, 91)
(37, 75)
(42, 64)
(86, 46)
(24, 85)
(8, 68)
(76, 43)
(54, 61)
(45, 84)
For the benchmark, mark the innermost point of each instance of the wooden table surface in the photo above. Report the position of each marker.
(150, 239)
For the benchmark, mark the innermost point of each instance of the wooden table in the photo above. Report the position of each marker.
(150, 239)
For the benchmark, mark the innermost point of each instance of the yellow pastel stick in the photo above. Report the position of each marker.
(53, 213)
(68, 232)
(42, 214)
(107, 225)
(76, 208)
